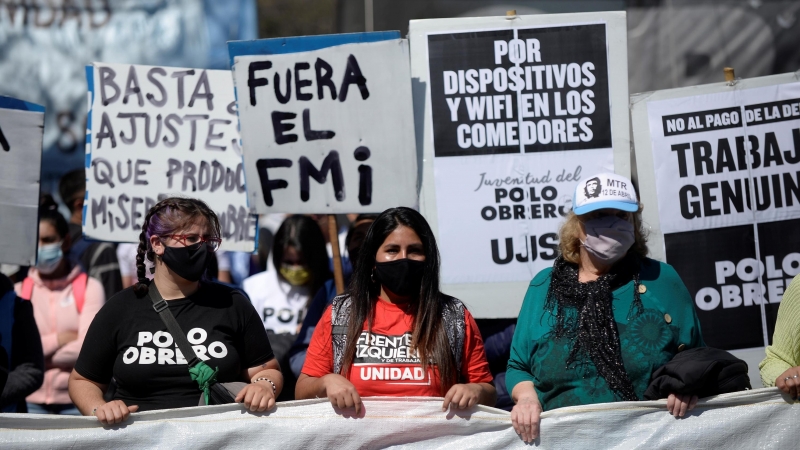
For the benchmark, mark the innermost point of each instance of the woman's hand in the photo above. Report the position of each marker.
(341, 392)
(679, 404)
(462, 396)
(789, 382)
(257, 397)
(113, 412)
(525, 416)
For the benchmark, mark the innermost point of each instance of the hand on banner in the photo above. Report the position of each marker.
(462, 396)
(341, 392)
(525, 416)
(114, 412)
(789, 382)
(257, 397)
(679, 404)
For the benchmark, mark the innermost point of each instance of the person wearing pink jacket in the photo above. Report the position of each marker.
(64, 303)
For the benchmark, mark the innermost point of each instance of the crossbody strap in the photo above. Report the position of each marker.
(161, 307)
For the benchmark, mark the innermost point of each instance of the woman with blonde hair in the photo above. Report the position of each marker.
(595, 326)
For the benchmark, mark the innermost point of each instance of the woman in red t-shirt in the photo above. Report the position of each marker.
(394, 333)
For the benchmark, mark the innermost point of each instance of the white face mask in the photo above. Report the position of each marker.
(49, 257)
(608, 238)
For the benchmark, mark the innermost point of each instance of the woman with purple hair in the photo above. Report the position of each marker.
(129, 342)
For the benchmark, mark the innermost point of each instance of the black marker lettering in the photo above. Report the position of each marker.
(267, 185)
(180, 75)
(211, 136)
(252, 81)
(151, 77)
(352, 75)
(277, 81)
(313, 135)
(330, 164)
(193, 118)
(324, 79)
(107, 76)
(203, 82)
(300, 83)
(280, 128)
(132, 87)
(106, 131)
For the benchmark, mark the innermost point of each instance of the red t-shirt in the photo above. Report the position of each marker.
(385, 365)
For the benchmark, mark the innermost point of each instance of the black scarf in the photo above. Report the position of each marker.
(584, 313)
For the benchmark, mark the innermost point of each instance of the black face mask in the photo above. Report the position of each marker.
(188, 262)
(402, 277)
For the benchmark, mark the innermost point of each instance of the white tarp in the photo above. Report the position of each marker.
(752, 419)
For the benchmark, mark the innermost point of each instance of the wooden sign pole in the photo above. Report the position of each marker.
(338, 273)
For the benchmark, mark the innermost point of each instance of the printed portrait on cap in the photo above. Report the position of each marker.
(605, 190)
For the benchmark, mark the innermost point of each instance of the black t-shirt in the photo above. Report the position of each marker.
(128, 340)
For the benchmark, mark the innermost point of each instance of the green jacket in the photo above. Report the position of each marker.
(667, 325)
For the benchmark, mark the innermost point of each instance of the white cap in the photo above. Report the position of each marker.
(604, 190)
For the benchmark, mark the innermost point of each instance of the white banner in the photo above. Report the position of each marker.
(517, 111)
(751, 419)
(160, 131)
(21, 130)
(328, 131)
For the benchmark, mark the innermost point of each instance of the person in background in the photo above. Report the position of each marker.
(299, 267)
(595, 326)
(324, 296)
(21, 359)
(781, 366)
(281, 294)
(64, 300)
(425, 343)
(127, 337)
(98, 259)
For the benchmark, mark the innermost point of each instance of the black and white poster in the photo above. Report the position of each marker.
(521, 110)
(727, 181)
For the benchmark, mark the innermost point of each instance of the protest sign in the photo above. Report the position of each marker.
(160, 131)
(516, 111)
(719, 173)
(65, 36)
(329, 129)
(21, 130)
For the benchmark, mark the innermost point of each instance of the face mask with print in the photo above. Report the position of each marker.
(296, 275)
(49, 257)
(608, 238)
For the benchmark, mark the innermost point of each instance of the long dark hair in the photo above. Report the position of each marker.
(429, 336)
(305, 235)
(165, 217)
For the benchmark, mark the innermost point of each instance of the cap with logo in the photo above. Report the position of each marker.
(604, 190)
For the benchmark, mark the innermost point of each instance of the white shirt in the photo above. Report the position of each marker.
(280, 305)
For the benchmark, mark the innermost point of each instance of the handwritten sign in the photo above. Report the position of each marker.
(329, 130)
(21, 133)
(161, 131)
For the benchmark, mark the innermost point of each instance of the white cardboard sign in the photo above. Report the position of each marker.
(516, 112)
(162, 131)
(21, 131)
(328, 131)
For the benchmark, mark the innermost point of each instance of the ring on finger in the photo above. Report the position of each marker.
(787, 378)
(795, 376)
